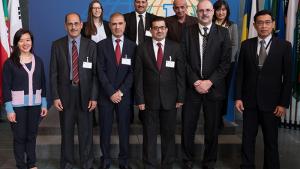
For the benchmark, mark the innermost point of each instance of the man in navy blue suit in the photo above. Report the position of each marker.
(115, 73)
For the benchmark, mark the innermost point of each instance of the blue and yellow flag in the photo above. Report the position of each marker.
(246, 19)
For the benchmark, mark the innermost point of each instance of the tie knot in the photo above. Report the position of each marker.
(205, 29)
(73, 41)
(118, 40)
(141, 16)
(159, 44)
(262, 42)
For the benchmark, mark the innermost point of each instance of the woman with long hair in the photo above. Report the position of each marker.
(95, 27)
(221, 17)
(24, 95)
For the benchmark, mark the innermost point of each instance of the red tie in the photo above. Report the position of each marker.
(159, 56)
(75, 62)
(118, 51)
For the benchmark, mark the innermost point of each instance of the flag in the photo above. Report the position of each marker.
(280, 21)
(246, 20)
(268, 5)
(4, 44)
(252, 32)
(296, 86)
(291, 20)
(14, 15)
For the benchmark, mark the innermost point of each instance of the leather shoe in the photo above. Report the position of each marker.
(188, 164)
(125, 167)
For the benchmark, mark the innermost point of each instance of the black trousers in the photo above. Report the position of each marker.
(69, 117)
(269, 125)
(212, 117)
(24, 135)
(123, 113)
(165, 121)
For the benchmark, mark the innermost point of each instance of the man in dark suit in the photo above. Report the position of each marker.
(263, 89)
(138, 22)
(180, 21)
(73, 84)
(159, 89)
(207, 49)
(115, 73)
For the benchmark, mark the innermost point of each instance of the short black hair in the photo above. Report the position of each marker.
(158, 19)
(263, 12)
(66, 17)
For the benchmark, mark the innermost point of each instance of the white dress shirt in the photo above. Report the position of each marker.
(155, 46)
(201, 42)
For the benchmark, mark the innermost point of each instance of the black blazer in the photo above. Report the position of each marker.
(106, 29)
(131, 24)
(113, 77)
(156, 88)
(269, 87)
(216, 63)
(60, 71)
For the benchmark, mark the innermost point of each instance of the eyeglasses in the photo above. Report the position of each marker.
(156, 28)
(70, 24)
(204, 11)
(261, 23)
(96, 8)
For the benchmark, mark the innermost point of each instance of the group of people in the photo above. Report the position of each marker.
(160, 65)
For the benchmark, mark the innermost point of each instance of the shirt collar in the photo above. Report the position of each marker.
(77, 39)
(267, 39)
(162, 42)
(114, 38)
(208, 26)
(137, 14)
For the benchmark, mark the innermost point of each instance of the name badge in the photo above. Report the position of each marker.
(87, 64)
(148, 33)
(126, 61)
(170, 63)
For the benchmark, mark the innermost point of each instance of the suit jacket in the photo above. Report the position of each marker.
(113, 77)
(216, 62)
(131, 24)
(60, 71)
(159, 89)
(106, 29)
(175, 29)
(269, 87)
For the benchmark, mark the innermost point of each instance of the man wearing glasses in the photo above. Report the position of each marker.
(207, 50)
(74, 92)
(263, 89)
(159, 89)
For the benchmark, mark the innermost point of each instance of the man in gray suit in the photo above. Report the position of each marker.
(74, 90)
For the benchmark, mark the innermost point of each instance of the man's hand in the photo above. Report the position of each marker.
(279, 111)
(239, 105)
(178, 105)
(11, 117)
(92, 105)
(44, 112)
(58, 105)
(116, 97)
(141, 106)
(202, 86)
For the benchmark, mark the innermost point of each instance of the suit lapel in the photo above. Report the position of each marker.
(65, 46)
(195, 38)
(133, 24)
(111, 55)
(82, 52)
(167, 53)
(253, 50)
(151, 54)
(211, 38)
(147, 21)
(273, 47)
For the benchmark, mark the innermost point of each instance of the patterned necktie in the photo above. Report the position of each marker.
(141, 31)
(204, 44)
(118, 51)
(159, 56)
(262, 54)
(75, 62)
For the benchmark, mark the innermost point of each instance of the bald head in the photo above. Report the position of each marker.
(180, 8)
(205, 12)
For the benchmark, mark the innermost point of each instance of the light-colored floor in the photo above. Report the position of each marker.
(48, 146)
